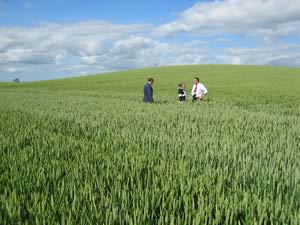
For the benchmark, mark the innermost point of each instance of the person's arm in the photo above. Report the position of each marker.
(192, 92)
(151, 91)
(203, 91)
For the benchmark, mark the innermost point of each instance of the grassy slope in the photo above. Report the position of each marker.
(224, 82)
(243, 143)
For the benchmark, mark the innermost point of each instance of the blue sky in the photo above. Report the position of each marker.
(55, 39)
(18, 12)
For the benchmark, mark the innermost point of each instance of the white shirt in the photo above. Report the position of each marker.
(200, 91)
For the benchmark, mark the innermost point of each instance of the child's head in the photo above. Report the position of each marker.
(181, 85)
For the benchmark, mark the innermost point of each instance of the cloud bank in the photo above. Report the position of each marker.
(270, 18)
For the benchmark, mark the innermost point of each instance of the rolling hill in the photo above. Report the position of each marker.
(86, 150)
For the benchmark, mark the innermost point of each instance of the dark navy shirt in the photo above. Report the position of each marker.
(148, 93)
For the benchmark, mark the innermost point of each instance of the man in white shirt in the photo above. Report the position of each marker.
(199, 90)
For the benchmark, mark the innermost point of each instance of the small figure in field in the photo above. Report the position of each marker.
(199, 90)
(181, 92)
(148, 91)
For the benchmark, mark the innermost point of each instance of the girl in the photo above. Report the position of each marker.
(181, 92)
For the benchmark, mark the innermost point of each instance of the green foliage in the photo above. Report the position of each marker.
(88, 151)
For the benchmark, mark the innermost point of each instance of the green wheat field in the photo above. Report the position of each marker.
(87, 150)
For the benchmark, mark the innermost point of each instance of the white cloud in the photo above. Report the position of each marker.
(12, 69)
(281, 55)
(27, 56)
(57, 43)
(236, 61)
(89, 60)
(265, 17)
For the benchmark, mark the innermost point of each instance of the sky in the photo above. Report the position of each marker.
(41, 40)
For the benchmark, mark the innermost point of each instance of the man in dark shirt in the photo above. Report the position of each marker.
(148, 91)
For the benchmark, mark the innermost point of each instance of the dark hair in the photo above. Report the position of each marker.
(150, 80)
(196, 78)
(180, 85)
